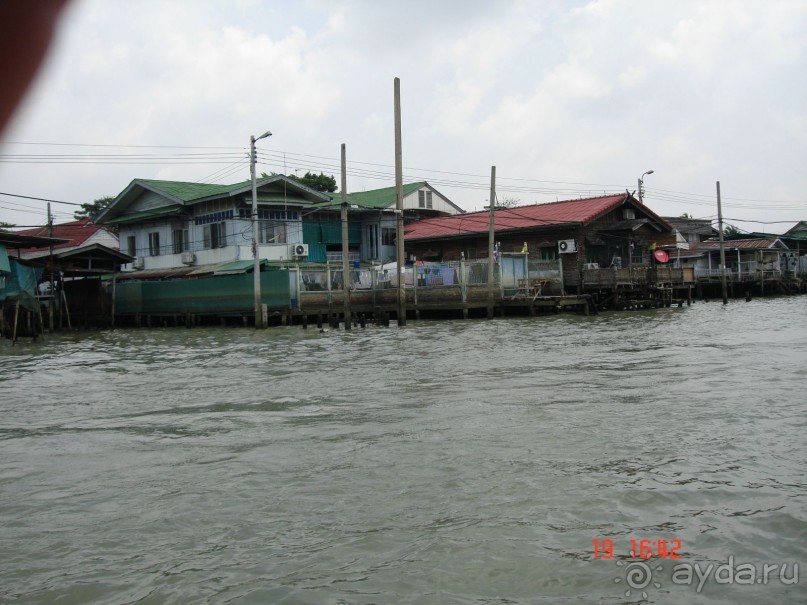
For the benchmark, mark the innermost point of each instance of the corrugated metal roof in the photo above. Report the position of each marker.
(569, 212)
(742, 244)
(380, 198)
(75, 233)
(156, 273)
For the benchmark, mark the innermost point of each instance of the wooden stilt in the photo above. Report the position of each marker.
(16, 318)
(41, 321)
(66, 310)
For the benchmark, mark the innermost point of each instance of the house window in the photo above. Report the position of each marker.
(180, 240)
(428, 199)
(154, 243)
(387, 236)
(271, 232)
(131, 245)
(549, 253)
(214, 235)
(421, 199)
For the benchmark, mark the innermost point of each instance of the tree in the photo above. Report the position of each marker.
(508, 202)
(318, 182)
(730, 231)
(94, 209)
(4, 225)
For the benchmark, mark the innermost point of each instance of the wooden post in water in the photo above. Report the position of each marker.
(399, 226)
(722, 248)
(16, 321)
(491, 243)
(112, 314)
(66, 308)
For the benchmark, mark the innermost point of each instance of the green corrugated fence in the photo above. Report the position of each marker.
(216, 294)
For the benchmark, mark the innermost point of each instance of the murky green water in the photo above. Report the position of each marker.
(445, 463)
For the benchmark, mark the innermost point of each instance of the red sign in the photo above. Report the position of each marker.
(661, 256)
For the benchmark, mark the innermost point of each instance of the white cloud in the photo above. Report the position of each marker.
(593, 92)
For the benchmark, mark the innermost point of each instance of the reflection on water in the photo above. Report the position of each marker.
(447, 462)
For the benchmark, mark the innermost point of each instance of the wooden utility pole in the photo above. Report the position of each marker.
(722, 248)
(491, 237)
(399, 227)
(50, 248)
(345, 260)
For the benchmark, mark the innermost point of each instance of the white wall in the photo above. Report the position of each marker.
(439, 202)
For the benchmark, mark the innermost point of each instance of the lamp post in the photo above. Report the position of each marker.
(641, 186)
(257, 269)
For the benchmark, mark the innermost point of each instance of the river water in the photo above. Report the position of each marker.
(456, 462)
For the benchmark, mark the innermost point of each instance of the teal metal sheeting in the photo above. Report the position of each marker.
(330, 232)
(215, 294)
(19, 284)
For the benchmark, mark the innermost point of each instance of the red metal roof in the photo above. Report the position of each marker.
(521, 217)
(75, 232)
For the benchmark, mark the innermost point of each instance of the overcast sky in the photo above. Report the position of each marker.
(567, 98)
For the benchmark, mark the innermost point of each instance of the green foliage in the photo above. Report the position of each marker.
(5, 226)
(94, 209)
(318, 182)
(730, 231)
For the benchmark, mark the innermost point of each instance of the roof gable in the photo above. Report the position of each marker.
(798, 228)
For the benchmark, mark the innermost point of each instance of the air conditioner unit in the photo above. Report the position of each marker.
(567, 245)
(188, 258)
(299, 250)
(138, 262)
(591, 266)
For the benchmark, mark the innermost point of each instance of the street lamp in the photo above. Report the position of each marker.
(257, 269)
(641, 185)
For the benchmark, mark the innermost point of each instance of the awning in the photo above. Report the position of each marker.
(237, 267)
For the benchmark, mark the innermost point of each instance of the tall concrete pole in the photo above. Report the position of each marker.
(255, 254)
(491, 237)
(253, 158)
(399, 227)
(345, 260)
(722, 248)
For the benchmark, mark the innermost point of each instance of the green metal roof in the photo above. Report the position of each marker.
(187, 192)
(144, 215)
(379, 198)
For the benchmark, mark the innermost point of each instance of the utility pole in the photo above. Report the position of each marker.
(345, 260)
(491, 237)
(399, 227)
(259, 323)
(722, 248)
(50, 246)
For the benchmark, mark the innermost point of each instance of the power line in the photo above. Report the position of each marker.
(123, 146)
(42, 199)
